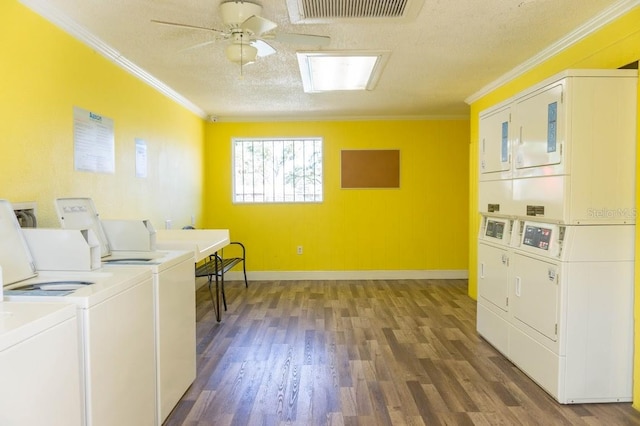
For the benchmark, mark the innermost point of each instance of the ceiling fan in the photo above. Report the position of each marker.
(247, 31)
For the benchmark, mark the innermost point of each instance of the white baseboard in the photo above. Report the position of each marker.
(346, 275)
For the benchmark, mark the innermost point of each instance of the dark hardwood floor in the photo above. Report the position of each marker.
(388, 352)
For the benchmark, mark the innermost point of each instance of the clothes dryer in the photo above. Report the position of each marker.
(494, 255)
(572, 309)
(114, 311)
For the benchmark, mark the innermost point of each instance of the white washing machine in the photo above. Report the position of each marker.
(39, 362)
(572, 309)
(174, 292)
(494, 255)
(114, 311)
(173, 288)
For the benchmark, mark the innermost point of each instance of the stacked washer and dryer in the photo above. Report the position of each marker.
(556, 241)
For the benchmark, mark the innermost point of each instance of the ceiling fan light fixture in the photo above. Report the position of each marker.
(241, 53)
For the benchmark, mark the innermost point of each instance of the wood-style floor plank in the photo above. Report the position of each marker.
(370, 352)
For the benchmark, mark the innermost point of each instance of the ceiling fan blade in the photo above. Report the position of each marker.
(310, 39)
(192, 27)
(197, 46)
(258, 25)
(264, 48)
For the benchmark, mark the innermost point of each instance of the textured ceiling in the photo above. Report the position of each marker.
(451, 50)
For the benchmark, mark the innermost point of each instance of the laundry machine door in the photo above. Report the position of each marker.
(493, 275)
(495, 144)
(536, 295)
(539, 125)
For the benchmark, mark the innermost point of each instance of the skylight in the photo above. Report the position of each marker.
(331, 71)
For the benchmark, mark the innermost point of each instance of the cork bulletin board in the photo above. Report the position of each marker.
(370, 168)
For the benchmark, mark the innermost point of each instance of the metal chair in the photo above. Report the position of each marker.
(214, 267)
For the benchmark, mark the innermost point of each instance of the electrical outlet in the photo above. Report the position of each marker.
(167, 224)
(299, 250)
(193, 220)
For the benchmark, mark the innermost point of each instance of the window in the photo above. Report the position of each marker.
(277, 170)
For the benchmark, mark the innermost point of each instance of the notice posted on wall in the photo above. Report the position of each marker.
(93, 142)
(141, 158)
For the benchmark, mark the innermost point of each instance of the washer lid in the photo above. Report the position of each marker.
(15, 257)
(81, 213)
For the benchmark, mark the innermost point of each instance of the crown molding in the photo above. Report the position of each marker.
(332, 118)
(42, 8)
(607, 16)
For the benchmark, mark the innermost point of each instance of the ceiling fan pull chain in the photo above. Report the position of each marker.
(241, 55)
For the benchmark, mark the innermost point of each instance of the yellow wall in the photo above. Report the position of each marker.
(424, 225)
(611, 47)
(421, 226)
(44, 74)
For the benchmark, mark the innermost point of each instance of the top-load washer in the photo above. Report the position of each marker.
(114, 311)
(132, 242)
(39, 362)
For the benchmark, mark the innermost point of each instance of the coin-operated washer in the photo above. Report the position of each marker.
(114, 313)
(572, 309)
(132, 242)
(39, 362)
(494, 254)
